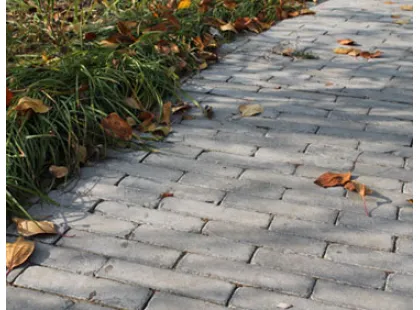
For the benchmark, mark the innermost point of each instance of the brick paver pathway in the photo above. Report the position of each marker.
(247, 228)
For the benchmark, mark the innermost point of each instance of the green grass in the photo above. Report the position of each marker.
(50, 57)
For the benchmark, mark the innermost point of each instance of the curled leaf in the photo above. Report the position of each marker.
(250, 109)
(58, 171)
(18, 252)
(361, 189)
(346, 42)
(115, 126)
(342, 50)
(166, 113)
(331, 179)
(410, 201)
(355, 52)
(29, 228)
(36, 105)
(228, 27)
(369, 55)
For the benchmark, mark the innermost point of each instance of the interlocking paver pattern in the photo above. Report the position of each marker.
(247, 228)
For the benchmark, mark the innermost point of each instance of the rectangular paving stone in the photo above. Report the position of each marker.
(137, 196)
(321, 121)
(126, 155)
(142, 170)
(365, 136)
(386, 261)
(121, 248)
(320, 268)
(384, 171)
(400, 284)
(193, 166)
(406, 214)
(280, 207)
(358, 221)
(218, 146)
(165, 301)
(141, 215)
(179, 190)
(351, 296)
(168, 280)
(262, 237)
(275, 156)
(245, 162)
(98, 290)
(76, 261)
(405, 245)
(246, 186)
(246, 274)
(19, 298)
(194, 243)
(310, 138)
(87, 306)
(381, 208)
(176, 149)
(381, 160)
(331, 233)
(212, 212)
(278, 125)
(397, 150)
(179, 129)
(252, 298)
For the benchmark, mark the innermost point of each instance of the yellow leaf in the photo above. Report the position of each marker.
(184, 4)
(228, 27)
(354, 52)
(250, 109)
(407, 7)
(203, 66)
(342, 50)
(28, 228)
(36, 105)
(18, 252)
(58, 171)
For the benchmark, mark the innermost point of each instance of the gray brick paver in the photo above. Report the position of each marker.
(247, 228)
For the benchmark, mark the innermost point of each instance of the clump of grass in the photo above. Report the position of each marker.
(83, 58)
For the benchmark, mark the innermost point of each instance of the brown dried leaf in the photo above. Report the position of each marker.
(180, 107)
(58, 171)
(368, 55)
(81, 153)
(131, 121)
(208, 111)
(331, 179)
(355, 52)
(18, 252)
(410, 201)
(230, 4)
(395, 15)
(166, 195)
(389, 2)
(36, 105)
(90, 36)
(29, 228)
(115, 126)
(361, 189)
(401, 21)
(346, 42)
(250, 109)
(9, 96)
(342, 50)
(288, 52)
(133, 103)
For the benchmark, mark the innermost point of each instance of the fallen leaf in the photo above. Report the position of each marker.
(18, 252)
(29, 228)
(203, 66)
(288, 52)
(410, 201)
(166, 195)
(90, 36)
(9, 96)
(36, 105)
(395, 15)
(133, 103)
(329, 84)
(307, 12)
(355, 52)
(115, 126)
(402, 21)
(184, 4)
(228, 27)
(131, 121)
(369, 55)
(181, 107)
(250, 109)
(342, 50)
(166, 113)
(284, 305)
(331, 179)
(407, 7)
(58, 171)
(346, 42)
(361, 189)
(389, 2)
(208, 111)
